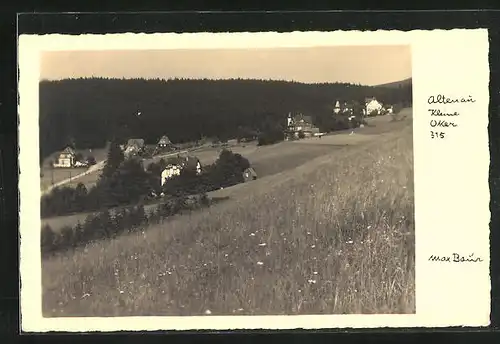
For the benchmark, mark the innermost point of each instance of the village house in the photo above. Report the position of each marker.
(343, 107)
(134, 147)
(373, 107)
(300, 123)
(176, 165)
(66, 159)
(164, 143)
(249, 174)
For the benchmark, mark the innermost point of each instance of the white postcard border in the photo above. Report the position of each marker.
(451, 177)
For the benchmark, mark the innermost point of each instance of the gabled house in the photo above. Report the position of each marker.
(342, 107)
(373, 106)
(299, 124)
(66, 159)
(134, 147)
(164, 142)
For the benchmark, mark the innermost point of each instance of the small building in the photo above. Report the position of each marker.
(343, 107)
(164, 142)
(66, 159)
(336, 108)
(134, 147)
(299, 124)
(373, 106)
(249, 174)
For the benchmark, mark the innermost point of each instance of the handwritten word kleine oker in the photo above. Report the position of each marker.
(456, 258)
(441, 99)
(437, 100)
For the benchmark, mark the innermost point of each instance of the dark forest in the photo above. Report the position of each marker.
(92, 111)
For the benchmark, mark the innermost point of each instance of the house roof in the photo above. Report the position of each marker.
(250, 171)
(367, 100)
(68, 150)
(135, 142)
(164, 140)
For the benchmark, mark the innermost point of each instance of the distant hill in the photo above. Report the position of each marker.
(397, 84)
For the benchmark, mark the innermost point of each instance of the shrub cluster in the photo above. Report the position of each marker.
(109, 224)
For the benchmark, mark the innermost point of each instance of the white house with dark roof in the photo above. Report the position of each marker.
(66, 159)
(373, 106)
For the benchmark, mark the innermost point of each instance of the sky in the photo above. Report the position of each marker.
(366, 65)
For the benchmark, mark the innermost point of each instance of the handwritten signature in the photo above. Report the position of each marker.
(456, 258)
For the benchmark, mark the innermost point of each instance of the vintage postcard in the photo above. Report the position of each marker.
(254, 180)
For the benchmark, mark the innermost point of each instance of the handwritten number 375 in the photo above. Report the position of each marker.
(437, 135)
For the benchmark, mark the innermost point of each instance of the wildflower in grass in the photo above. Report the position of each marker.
(313, 246)
(262, 244)
(208, 312)
(252, 234)
(349, 242)
(260, 263)
(121, 291)
(311, 281)
(315, 273)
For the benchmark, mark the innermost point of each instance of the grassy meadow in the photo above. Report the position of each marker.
(332, 236)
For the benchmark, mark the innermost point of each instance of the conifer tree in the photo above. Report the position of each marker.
(114, 159)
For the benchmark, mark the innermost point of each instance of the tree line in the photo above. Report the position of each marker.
(89, 112)
(107, 225)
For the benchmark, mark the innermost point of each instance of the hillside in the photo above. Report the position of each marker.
(397, 84)
(332, 236)
(90, 112)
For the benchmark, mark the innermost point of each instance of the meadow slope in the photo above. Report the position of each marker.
(335, 235)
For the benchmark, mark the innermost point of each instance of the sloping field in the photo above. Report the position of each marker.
(334, 235)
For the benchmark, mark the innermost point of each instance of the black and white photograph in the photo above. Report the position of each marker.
(266, 180)
(227, 181)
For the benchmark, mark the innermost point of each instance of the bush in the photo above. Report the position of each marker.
(269, 138)
(302, 135)
(64, 200)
